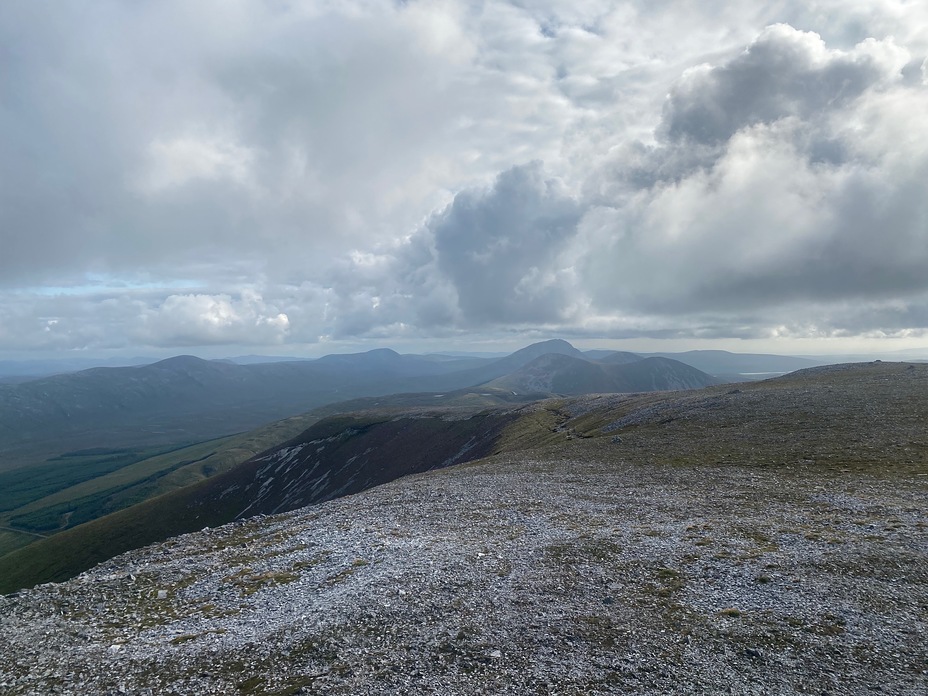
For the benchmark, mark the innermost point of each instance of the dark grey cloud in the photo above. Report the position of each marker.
(499, 247)
(783, 73)
(488, 259)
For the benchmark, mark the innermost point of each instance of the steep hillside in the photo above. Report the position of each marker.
(348, 454)
(554, 373)
(657, 374)
(338, 456)
(184, 399)
(87, 466)
(769, 538)
(76, 487)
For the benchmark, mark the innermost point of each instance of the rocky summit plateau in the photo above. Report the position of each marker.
(761, 538)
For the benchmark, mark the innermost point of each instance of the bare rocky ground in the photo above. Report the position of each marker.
(758, 540)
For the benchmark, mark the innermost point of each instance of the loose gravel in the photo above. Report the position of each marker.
(579, 573)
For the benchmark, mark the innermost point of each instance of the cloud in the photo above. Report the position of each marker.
(488, 259)
(369, 168)
(784, 186)
(94, 320)
(229, 131)
(783, 73)
(498, 247)
(785, 179)
(193, 320)
(177, 162)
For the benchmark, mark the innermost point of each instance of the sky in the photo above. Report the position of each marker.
(299, 178)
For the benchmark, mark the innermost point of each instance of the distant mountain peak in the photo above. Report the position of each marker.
(568, 374)
(553, 345)
(379, 354)
(383, 352)
(179, 361)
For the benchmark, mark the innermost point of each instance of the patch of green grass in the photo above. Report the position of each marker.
(186, 638)
(250, 584)
(535, 428)
(22, 486)
(763, 541)
(583, 550)
(320, 557)
(346, 573)
(669, 582)
(601, 630)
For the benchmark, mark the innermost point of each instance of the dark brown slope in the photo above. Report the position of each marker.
(335, 457)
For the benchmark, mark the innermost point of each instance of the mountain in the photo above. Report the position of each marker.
(768, 538)
(562, 374)
(79, 446)
(492, 369)
(252, 359)
(536, 350)
(721, 363)
(383, 359)
(614, 357)
(184, 398)
(395, 436)
(34, 369)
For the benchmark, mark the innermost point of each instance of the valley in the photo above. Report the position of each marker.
(80, 446)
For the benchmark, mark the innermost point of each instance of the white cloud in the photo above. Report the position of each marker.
(192, 320)
(706, 168)
(179, 161)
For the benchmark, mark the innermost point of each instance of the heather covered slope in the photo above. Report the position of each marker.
(770, 538)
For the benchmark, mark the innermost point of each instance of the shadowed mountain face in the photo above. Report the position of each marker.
(348, 454)
(617, 357)
(563, 374)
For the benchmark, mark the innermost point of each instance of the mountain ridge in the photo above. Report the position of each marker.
(185, 398)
